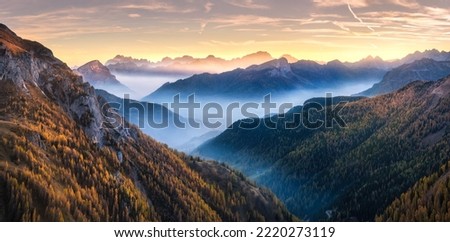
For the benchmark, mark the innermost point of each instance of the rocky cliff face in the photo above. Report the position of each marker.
(97, 74)
(24, 63)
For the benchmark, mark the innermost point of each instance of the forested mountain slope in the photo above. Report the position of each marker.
(344, 173)
(427, 201)
(62, 159)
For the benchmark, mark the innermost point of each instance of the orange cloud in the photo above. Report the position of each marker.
(334, 3)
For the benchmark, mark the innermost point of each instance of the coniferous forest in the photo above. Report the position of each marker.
(347, 173)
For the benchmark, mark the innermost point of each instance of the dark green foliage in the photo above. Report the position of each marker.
(427, 201)
(390, 142)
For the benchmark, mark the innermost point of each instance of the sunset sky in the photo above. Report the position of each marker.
(322, 30)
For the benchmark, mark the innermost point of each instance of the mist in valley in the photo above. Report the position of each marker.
(144, 84)
(209, 116)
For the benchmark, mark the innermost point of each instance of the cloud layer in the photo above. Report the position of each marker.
(315, 29)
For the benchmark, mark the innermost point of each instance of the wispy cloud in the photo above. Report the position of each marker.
(157, 6)
(358, 18)
(438, 12)
(250, 30)
(208, 7)
(334, 3)
(202, 27)
(412, 4)
(57, 23)
(134, 15)
(341, 26)
(256, 21)
(227, 43)
(248, 4)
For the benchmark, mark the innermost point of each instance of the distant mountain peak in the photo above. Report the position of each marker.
(281, 64)
(372, 58)
(125, 59)
(277, 67)
(335, 63)
(95, 67)
(96, 62)
(430, 54)
(185, 65)
(433, 51)
(290, 58)
(426, 69)
(259, 54)
(99, 76)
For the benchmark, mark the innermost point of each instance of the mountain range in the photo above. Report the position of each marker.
(355, 171)
(63, 158)
(428, 54)
(276, 77)
(217, 77)
(189, 65)
(423, 69)
(185, 65)
(280, 76)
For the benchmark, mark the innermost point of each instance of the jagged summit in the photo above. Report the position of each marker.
(259, 55)
(95, 66)
(278, 67)
(371, 58)
(29, 68)
(16, 45)
(430, 54)
(281, 64)
(185, 65)
(101, 77)
(336, 63)
(290, 58)
(96, 73)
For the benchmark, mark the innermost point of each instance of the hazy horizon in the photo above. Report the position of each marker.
(374, 55)
(319, 30)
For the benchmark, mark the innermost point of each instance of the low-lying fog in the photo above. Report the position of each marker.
(243, 108)
(222, 111)
(143, 84)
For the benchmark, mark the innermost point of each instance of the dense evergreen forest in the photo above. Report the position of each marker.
(344, 173)
(427, 201)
